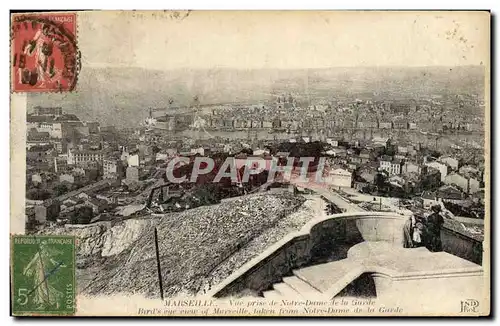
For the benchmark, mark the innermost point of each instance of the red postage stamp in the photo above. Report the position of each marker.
(44, 51)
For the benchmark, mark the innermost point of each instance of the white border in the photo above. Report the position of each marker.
(494, 5)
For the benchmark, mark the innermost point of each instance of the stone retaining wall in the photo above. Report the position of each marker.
(314, 243)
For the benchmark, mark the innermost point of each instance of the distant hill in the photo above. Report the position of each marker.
(121, 96)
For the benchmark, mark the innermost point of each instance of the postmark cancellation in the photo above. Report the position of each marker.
(44, 54)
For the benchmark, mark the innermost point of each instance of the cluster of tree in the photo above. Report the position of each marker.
(301, 149)
(206, 194)
(383, 187)
(60, 189)
(82, 215)
(473, 211)
(224, 182)
(382, 181)
(94, 175)
(38, 194)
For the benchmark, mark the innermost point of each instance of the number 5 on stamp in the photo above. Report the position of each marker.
(43, 275)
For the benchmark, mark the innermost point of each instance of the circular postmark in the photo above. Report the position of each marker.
(45, 56)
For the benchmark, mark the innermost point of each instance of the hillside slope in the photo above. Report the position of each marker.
(120, 258)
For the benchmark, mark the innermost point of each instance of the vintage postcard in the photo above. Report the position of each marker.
(250, 163)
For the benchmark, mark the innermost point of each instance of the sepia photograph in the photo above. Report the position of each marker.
(250, 163)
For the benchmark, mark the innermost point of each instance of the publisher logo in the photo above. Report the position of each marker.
(469, 305)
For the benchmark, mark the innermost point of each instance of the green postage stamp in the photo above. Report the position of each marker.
(43, 275)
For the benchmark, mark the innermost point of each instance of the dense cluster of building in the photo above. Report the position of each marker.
(286, 114)
(72, 163)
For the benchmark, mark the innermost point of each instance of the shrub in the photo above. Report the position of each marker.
(82, 215)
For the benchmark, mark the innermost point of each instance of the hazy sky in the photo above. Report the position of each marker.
(283, 39)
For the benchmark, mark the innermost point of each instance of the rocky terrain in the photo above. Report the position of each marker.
(198, 247)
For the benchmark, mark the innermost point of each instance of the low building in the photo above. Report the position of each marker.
(338, 152)
(124, 155)
(133, 160)
(98, 206)
(367, 124)
(339, 178)
(392, 165)
(368, 175)
(239, 124)
(429, 199)
(42, 153)
(385, 125)
(161, 156)
(36, 178)
(112, 168)
(449, 193)
(474, 186)
(466, 184)
(267, 124)
(385, 163)
(442, 168)
(355, 159)
(228, 123)
(70, 202)
(352, 166)
(109, 198)
(84, 157)
(468, 170)
(365, 156)
(396, 166)
(430, 178)
(66, 177)
(402, 149)
(48, 211)
(83, 195)
(60, 163)
(332, 142)
(50, 111)
(400, 125)
(410, 167)
(400, 157)
(382, 141)
(93, 127)
(132, 174)
(256, 124)
(450, 161)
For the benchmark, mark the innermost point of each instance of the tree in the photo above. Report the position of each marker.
(381, 181)
(155, 149)
(133, 186)
(207, 194)
(38, 194)
(60, 189)
(82, 215)
(94, 174)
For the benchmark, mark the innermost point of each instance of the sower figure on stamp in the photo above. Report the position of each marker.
(434, 223)
(42, 47)
(40, 268)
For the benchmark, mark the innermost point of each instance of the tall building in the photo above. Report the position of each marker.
(112, 168)
(84, 157)
(57, 126)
